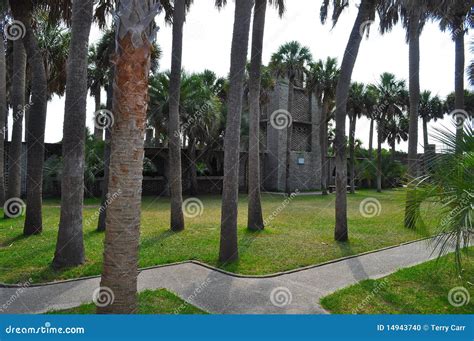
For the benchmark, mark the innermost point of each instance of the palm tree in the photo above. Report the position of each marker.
(366, 13)
(355, 108)
(455, 15)
(70, 244)
(290, 61)
(370, 103)
(175, 181)
(431, 108)
(228, 243)
(36, 121)
(97, 78)
(449, 186)
(135, 27)
(396, 130)
(323, 76)
(18, 104)
(413, 14)
(3, 100)
(391, 97)
(255, 215)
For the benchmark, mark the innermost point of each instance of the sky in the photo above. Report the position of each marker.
(207, 43)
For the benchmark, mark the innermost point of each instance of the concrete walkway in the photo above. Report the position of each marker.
(293, 292)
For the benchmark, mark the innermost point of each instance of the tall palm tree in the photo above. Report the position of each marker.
(455, 16)
(396, 130)
(366, 13)
(228, 243)
(97, 77)
(174, 158)
(255, 215)
(413, 15)
(36, 120)
(431, 108)
(370, 103)
(3, 101)
(70, 244)
(324, 75)
(291, 61)
(135, 29)
(391, 98)
(18, 103)
(355, 108)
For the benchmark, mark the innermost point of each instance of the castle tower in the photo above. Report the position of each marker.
(305, 154)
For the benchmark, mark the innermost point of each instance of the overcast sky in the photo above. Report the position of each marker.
(207, 42)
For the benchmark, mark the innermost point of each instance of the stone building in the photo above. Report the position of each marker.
(305, 152)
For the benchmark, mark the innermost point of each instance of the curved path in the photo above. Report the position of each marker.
(215, 291)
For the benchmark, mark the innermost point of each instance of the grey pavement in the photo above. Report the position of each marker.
(293, 292)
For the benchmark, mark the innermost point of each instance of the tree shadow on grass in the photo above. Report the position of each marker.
(12, 240)
(245, 242)
(354, 264)
(158, 238)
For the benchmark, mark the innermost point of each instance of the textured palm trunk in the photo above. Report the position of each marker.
(459, 81)
(175, 172)
(324, 148)
(289, 132)
(392, 151)
(228, 251)
(105, 189)
(342, 94)
(3, 115)
(379, 160)
(352, 130)
(36, 122)
(98, 133)
(70, 243)
(130, 104)
(371, 148)
(18, 104)
(191, 150)
(255, 215)
(414, 90)
(425, 133)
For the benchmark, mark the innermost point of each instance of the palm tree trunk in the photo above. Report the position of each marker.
(342, 94)
(289, 131)
(18, 104)
(3, 116)
(36, 122)
(379, 158)
(352, 129)
(324, 148)
(191, 150)
(459, 81)
(392, 151)
(98, 133)
(414, 90)
(255, 215)
(70, 244)
(132, 67)
(105, 189)
(175, 172)
(425, 133)
(371, 149)
(230, 194)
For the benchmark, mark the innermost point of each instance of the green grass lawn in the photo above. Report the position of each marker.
(149, 302)
(301, 234)
(422, 289)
